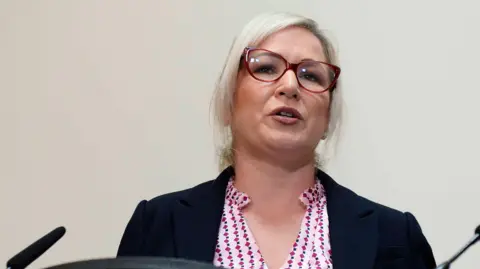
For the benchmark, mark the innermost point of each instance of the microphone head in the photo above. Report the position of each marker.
(35, 250)
(477, 230)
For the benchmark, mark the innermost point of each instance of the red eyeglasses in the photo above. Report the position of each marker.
(313, 76)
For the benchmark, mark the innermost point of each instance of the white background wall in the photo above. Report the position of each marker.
(105, 103)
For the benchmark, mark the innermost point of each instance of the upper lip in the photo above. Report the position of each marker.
(291, 110)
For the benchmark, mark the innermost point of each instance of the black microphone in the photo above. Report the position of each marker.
(35, 250)
(475, 239)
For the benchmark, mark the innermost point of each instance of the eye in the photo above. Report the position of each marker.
(315, 74)
(309, 76)
(265, 69)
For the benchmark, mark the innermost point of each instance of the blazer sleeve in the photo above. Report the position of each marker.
(421, 252)
(134, 234)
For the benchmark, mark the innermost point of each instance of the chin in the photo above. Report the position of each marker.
(286, 142)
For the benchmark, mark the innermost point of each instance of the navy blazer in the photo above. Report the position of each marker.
(363, 234)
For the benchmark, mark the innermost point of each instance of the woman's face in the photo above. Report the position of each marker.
(256, 126)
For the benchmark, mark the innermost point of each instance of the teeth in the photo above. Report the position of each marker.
(286, 114)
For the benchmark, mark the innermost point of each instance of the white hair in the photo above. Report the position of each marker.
(253, 33)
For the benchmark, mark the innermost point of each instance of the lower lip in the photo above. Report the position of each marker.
(285, 120)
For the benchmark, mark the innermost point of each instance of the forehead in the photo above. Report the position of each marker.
(295, 44)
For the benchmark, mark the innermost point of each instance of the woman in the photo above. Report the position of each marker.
(277, 100)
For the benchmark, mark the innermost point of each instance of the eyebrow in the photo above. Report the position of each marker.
(309, 59)
(272, 51)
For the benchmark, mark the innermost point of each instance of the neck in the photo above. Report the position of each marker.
(272, 184)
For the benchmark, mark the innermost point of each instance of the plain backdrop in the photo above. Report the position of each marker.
(104, 103)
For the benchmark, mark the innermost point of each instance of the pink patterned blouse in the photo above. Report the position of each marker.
(236, 246)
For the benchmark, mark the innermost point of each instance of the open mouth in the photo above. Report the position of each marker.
(287, 112)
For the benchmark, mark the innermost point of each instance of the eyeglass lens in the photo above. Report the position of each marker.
(268, 66)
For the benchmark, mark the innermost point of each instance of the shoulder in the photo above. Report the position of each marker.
(389, 219)
(151, 223)
(399, 231)
(161, 205)
(151, 217)
(165, 202)
(215, 187)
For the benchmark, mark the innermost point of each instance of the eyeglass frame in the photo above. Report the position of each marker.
(293, 67)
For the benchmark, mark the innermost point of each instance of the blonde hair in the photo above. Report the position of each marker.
(253, 33)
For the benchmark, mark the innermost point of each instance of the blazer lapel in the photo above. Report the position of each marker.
(197, 219)
(352, 225)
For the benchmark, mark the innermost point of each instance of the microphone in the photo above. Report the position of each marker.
(35, 250)
(475, 239)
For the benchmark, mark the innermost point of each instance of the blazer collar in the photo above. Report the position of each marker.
(352, 222)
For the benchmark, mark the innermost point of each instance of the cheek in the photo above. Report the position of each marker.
(320, 109)
(248, 99)
(324, 105)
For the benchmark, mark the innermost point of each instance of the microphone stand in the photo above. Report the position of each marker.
(475, 239)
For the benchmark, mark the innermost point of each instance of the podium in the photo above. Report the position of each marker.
(35, 250)
(134, 263)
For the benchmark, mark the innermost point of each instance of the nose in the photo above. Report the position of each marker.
(289, 85)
